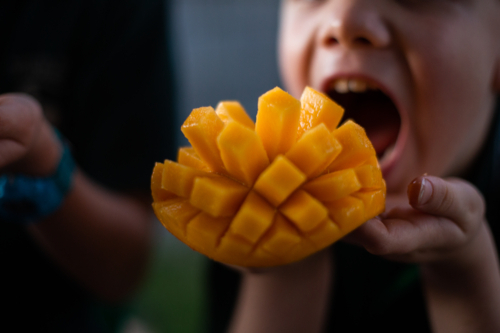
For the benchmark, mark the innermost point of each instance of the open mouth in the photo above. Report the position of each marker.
(370, 107)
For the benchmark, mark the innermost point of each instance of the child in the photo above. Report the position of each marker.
(422, 78)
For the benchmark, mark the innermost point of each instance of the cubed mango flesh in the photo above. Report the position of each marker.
(205, 231)
(281, 237)
(179, 179)
(279, 180)
(234, 246)
(175, 214)
(254, 217)
(316, 109)
(159, 194)
(333, 186)
(202, 128)
(369, 176)
(234, 111)
(271, 193)
(325, 234)
(348, 213)
(277, 121)
(242, 152)
(314, 151)
(218, 196)
(187, 156)
(356, 147)
(304, 210)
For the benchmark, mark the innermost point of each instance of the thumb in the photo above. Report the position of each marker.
(451, 198)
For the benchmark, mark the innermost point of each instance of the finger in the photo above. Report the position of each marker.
(21, 120)
(10, 152)
(451, 198)
(20, 114)
(441, 215)
(408, 235)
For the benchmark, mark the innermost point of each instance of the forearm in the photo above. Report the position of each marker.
(100, 238)
(464, 295)
(289, 299)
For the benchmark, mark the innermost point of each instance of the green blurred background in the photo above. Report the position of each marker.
(172, 298)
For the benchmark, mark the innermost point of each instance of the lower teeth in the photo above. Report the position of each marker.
(387, 152)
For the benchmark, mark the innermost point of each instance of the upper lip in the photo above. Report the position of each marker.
(384, 88)
(325, 87)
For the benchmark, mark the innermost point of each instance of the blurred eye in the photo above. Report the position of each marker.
(308, 1)
(428, 2)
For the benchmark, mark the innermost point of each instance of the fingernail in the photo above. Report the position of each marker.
(419, 192)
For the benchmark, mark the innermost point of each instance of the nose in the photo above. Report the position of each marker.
(355, 23)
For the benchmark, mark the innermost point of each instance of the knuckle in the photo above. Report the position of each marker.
(388, 249)
(390, 243)
(446, 200)
(379, 247)
(476, 207)
(460, 199)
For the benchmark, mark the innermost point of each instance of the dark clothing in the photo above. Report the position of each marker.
(102, 72)
(371, 293)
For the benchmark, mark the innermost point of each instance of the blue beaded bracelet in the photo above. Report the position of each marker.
(25, 199)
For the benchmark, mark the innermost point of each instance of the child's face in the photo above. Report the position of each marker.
(419, 75)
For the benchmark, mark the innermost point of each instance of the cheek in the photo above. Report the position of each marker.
(453, 102)
(296, 40)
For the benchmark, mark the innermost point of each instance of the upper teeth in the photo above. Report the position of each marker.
(343, 86)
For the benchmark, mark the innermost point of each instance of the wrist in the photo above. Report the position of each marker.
(303, 269)
(467, 260)
(27, 198)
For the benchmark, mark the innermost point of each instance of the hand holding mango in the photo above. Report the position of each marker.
(273, 192)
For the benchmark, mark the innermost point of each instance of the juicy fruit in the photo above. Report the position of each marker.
(273, 192)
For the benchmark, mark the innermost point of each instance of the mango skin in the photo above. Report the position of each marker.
(273, 192)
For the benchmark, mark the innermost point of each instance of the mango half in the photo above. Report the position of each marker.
(273, 192)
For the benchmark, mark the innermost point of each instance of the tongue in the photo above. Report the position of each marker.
(382, 134)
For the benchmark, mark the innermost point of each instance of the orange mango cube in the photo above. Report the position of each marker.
(205, 231)
(316, 109)
(281, 237)
(314, 151)
(179, 179)
(159, 194)
(175, 214)
(234, 111)
(325, 234)
(356, 147)
(279, 180)
(374, 202)
(253, 219)
(303, 210)
(333, 186)
(369, 176)
(242, 152)
(187, 156)
(348, 213)
(233, 248)
(277, 121)
(202, 128)
(218, 196)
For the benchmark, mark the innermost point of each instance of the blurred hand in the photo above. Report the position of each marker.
(27, 142)
(439, 219)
